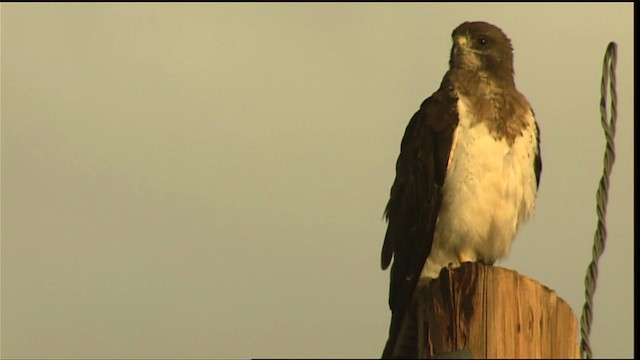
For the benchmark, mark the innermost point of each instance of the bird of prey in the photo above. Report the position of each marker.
(468, 170)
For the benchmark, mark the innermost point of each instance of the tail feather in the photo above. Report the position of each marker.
(403, 337)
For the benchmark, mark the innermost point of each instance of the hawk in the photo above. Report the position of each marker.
(468, 170)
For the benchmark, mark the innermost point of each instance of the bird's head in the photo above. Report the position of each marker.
(480, 46)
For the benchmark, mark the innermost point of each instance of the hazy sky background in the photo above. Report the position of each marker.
(208, 180)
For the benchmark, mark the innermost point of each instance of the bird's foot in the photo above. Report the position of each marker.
(463, 257)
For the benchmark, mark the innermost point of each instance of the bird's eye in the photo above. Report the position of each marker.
(483, 41)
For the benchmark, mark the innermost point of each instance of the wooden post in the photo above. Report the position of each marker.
(491, 312)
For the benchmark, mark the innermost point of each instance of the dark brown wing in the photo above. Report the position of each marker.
(537, 162)
(415, 199)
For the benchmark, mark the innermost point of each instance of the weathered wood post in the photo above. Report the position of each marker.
(485, 311)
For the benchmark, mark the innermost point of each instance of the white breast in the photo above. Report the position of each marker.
(489, 189)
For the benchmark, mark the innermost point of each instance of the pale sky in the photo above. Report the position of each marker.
(208, 180)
